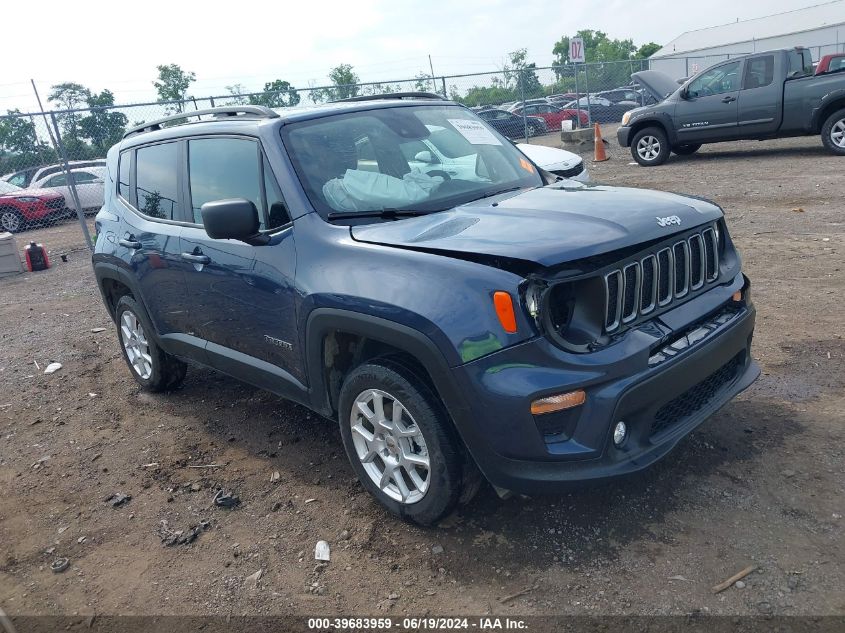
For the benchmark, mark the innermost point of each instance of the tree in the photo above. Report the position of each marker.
(277, 94)
(599, 48)
(647, 50)
(68, 96)
(345, 79)
(173, 83)
(238, 97)
(425, 83)
(20, 143)
(522, 75)
(101, 127)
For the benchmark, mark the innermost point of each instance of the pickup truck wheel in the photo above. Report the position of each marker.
(833, 132)
(686, 150)
(150, 366)
(650, 147)
(400, 442)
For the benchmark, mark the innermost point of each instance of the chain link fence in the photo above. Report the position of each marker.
(52, 165)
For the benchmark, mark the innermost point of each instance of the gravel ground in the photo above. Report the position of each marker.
(760, 484)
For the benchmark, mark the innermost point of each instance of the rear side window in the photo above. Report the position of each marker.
(800, 63)
(759, 72)
(123, 174)
(156, 181)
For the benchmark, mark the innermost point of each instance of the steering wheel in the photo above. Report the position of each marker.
(439, 172)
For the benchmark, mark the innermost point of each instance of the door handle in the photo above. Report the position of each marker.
(728, 99)
(196, 258)
(129, 242)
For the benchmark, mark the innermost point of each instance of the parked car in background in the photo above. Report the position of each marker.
(89, 187)
(519, 104)
(554, 116)
(512, 126)
(22, 207)
(20, 178)
(832, 63)
(563, 98)
(49, 170)
(557, 161)
(602, 110)
(762, 96)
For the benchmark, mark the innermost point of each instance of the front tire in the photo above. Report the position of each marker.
(11, 220)
(650, 147)
(151, 367)
(686, 150)
(833, 133)
(400, 441)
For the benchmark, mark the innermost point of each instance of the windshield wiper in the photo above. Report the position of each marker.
(382, 213)
(497, 193)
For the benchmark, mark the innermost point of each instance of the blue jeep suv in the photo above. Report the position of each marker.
(459, 312)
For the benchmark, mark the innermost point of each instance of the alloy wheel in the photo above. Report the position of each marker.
(10, 221)
(837, 133)
(390, 445)
(648, 148)
(136, 345)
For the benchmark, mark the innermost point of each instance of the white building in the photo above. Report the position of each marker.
(821, 28)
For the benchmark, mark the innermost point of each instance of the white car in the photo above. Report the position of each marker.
(558, 161)
(89, 182)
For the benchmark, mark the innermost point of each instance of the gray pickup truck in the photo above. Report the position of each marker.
(760, 96)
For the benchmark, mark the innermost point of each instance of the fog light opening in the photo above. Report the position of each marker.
(620, 434)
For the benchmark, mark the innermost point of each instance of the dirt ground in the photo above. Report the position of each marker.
(759, 484)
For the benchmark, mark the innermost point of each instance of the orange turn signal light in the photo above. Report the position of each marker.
(504, 310)
(737, 296)
(558, 402)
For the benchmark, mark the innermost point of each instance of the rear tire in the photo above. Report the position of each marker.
(686, 150)
(151, 367)
(11, 220)
(650, 147)
(833, 133)
(388, 447)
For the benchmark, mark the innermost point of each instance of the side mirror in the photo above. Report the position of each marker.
(233, 219)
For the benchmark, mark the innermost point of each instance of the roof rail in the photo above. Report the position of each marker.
(220, 113)
(393, 95)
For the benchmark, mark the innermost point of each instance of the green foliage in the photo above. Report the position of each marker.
(20, 146)
(173, 83)
(343, 80)
(521, 76)
(277, 94)
(238, 94)
(647, 50)
(601, 50)
(101, 127)
(68, 96)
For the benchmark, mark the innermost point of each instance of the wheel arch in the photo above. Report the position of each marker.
(829, 104)
(115, 282)
(339, 340)
(638, 126)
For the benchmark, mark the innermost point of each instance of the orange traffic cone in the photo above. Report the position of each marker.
(599, 154)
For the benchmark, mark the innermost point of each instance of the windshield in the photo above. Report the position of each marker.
(421, 158)
(7, 187)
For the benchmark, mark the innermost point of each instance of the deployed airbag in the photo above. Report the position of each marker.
(359, 190)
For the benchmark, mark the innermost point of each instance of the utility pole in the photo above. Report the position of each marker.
(433, 83)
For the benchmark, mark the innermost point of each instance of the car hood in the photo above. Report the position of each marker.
(659, 85)
(32, 193)
(550, 225)
(549, 158)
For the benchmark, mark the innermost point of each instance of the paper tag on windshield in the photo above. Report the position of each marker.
(475, 132)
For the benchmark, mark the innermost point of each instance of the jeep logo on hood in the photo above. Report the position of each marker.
(669, 220)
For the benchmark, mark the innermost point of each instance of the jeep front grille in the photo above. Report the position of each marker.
(658, 279)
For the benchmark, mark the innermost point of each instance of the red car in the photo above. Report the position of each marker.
(19, 207)
(553, 115)
(835, 62)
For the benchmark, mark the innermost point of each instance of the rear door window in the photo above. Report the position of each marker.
(156, 181)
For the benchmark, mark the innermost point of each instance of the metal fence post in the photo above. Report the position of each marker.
(577, 99)
(524, 115)
(443, 80)
(587, 90)
(60, 150)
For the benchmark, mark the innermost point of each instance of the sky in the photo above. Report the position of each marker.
(118, 45)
